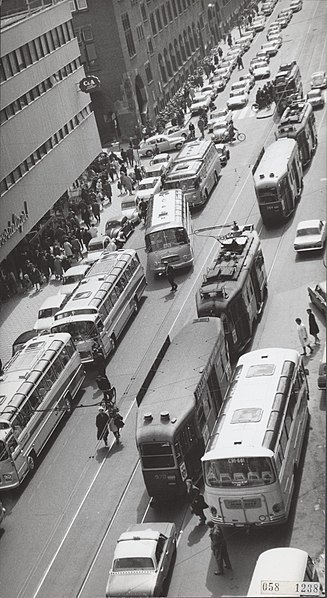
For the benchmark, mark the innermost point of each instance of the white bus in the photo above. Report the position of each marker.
(101, 306)
(284, 571)
(253, 454)
(196, 171)
(36, 390)
(168, 231)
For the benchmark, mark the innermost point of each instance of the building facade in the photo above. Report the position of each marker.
(48, 129)
(142, 51)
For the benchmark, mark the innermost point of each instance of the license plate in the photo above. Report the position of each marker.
(252, 503)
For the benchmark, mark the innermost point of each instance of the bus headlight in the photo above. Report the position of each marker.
(277, 507)
(8, 477)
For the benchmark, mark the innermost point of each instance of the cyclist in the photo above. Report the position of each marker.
(232, 131)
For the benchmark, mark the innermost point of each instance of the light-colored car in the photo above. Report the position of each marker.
(47, 311)
(244, 43)
(286, 13)
(165, 159)
(210, 89)
(318, 80)
(165, 143)
(241, 85)
(274, 27)
(156, 170)
(263, 55)
(260, 71)
(317, 296)
(142, 560)
(283, 20)
(223, 71)
(234, 52)
(221, 132)
(176, 131)
(200, 102)
(310, 235)
(148, 187)
(238, 98)
(271, 48)
(220, 83)
(249, 78)
(267, 8)
(257, 61)
(315, 98)
(296, 5)
(258, 24)
(95, 248)
(219, 116)
(276, 38)
(229, 62)
(71, 279)
(128, 206)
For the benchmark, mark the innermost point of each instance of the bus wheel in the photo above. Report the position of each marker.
(68, 404)
(31, 461)
(135, 305)
(113, 342)
(216, 178)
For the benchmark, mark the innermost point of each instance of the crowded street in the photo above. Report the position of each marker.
(62, 522)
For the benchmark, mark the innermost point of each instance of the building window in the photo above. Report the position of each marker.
(153, 24)
(61, 36)
(159, 19)
(14, 63)
(167, 62)
(144, 13)
(170, 16)
(148, 72)
(164, 15)
(128, 34)
(179, 4)
(50, 41)
(162, 69)
(76, 5)
(55, 38)
(87, 33)
(45, 46)
(173, 2)
(140, 32)
(173, 58)
(184, 5)
(150, 46)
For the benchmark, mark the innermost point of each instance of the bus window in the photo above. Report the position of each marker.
(250, 471)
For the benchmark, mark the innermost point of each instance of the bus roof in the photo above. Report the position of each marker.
(20, 371)
(171, 394)
(225, 276)
(165, 209)
(183, 169)
(294, 118)
(243, 420)
(274, 161)
(278, 564)
(195, 150)
(110, 260)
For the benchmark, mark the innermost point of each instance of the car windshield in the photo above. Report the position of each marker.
(219, 127)
(159, 160)
(201, 98)
(143, 186)
(239, 471)
(317, 78)
(133, 563)
(113, 224)
(128, 204)
(97, 246)
(79, 331)
(208, 88)
(306, 232)
(313, 94)
(165, 239)
(47, 313)
(71, 279)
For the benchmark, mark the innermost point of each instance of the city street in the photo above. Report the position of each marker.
(62, 525)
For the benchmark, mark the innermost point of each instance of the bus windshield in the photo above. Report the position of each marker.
(236, 471)
(164, 239)
(184, 184)
(79, 331)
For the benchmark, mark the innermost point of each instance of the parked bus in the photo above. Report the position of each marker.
(298, 122)
(287, 85)
(235, 286)
(196, 171)
(282, 571)
(168, 231)
(278, 180)
(37, 389)
(180, 407)
(252, 457)
(105, 300)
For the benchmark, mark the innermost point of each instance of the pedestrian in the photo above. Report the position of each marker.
(191, 128)
(108, 191)
(127, 183)
(130, 156)
(216, 59)
(198, 504)
(111, 245)
(35, 277)
(170, 273)
(229, 40)
(99, 360)
(123, 169)
(68, 249)
(220, 52)
(101, 423)
(142, 209)
(201, 126)
(123, 154)
(104, 384)
(138, 173)
(219, 547)
(240, 64)
(85, 214)
(86, 236)
(120, 239)
(115, 423)
(93, 231)
(96, 211)
(57, 266)
(313, 326)
(303, 336)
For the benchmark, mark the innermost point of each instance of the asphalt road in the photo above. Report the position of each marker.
(62, 525)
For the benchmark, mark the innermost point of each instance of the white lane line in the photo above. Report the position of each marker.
(76, 514)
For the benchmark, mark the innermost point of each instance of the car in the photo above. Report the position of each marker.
(244, 43)
(128, 206)
(318, 80)
(260, 71)
(276, 38)
(234, 52)
(222, 71)
(2, 512)
(267, 8)
(249, 78)
(317, 296)
(148, 187)
(219, 116)
(274, 27)
(296, 5)
(156, 170)
(283, 21)
(238, 98)
(163, 143)
(271, 48)
(286, 13)
(47, 311)
(210, 89)
(220, 83)
(322, 371)
(21, 340)
(221, 132)
(254, 61)
(71, 279)
(142, 560)
(258, 24)
(229, 62)
(315, 98)
(118, 224)
(200, 102)
(310, 235)
(224, 153)
(241, 85)
(165, 159)
(95, 248)
(248, 33)
(263, 55)
(176, 131)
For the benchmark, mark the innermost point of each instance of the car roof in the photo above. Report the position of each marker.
(149, 179)
(53, 301)
(318, 74)
(309, 223)
(96, 240)
(76, 270)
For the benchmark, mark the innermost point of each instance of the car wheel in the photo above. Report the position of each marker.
(113, 342)
(149, 153)
(178, 146)
(31, 460)
(135, 305)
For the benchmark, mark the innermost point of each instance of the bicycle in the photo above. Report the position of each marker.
(237, 136)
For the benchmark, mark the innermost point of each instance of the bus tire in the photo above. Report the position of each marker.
(113, 342)
(31, 460)
(135, 304)
(149, 153)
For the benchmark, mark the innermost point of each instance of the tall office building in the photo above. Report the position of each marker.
(48, 129)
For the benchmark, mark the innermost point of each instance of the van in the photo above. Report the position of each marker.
(47, 311)
(282, 565)
(322, 371)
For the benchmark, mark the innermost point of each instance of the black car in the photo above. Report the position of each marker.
(115, 225)
(223, 152)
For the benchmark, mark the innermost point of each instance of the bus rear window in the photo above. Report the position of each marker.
(157, 455)
(239, 471)
(267, 195)
(165, 239)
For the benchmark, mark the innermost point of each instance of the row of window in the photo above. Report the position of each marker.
(119, 286)
(169, 11)
(44, 149)
(19, 59)
(178, 53)
(34, 93)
